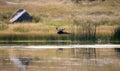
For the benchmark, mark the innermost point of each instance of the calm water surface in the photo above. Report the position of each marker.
(59, 59)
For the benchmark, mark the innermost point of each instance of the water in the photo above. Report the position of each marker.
(27, 58)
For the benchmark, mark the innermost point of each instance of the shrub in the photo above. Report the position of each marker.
(116, 35)
(36, 19)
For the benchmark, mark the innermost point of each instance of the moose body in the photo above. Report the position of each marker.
(61, 31)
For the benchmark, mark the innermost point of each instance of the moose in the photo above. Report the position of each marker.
(61, 31)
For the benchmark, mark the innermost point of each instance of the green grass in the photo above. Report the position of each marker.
(21, 29)
(3, 27)
(55, 23)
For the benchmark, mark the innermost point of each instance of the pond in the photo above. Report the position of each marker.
(60, 58)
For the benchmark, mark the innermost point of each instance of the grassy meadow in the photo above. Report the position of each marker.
(85, 20)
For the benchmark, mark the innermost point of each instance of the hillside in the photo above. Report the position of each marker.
(61, 13)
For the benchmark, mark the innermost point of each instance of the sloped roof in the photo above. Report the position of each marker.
(19, 14)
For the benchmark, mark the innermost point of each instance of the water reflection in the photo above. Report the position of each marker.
(84, 52)
(117, 50)
(20, 63)
(66, 59)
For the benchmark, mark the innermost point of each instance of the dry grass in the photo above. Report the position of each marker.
(105, 30)
(43, 29)
(67, 11)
